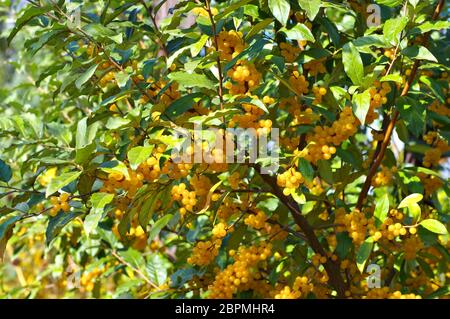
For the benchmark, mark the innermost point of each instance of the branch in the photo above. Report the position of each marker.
(390, 128)
(331, 267)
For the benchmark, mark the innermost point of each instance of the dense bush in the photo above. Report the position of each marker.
(94, 95)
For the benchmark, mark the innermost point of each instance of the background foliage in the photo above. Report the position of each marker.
(92, 204)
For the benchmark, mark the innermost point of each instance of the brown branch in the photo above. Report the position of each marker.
(390, 127)
(332, 268)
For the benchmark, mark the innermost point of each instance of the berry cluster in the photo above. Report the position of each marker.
(150, 168)
(176, 170)
(355, 224)
(234, 180)
(384, 177)
(290, 180)
(384, 293)
(431, 183)
(433, 155)
(107, 79)
(377, 98)
(319, 92)
(242, 274)
(201, 11)
(315, 186)
(49, 174)
(230, 44)
(319, 141)
(129, 183)
(289, 52)
(204, 252)
(59, 203)
(88, 279)
(315, 67)
(185, 197)
(300, 114)
(389, 53)
(160, 92)
(245, 78)
(411, 246)
(260, 221)
(299, 83)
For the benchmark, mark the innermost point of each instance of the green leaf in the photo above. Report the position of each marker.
(86, 76)
(280, 10)
(419, 52)
(434, 87)
(365, 43)
(414, 211)
(428, 26)
(116, 122)
(393, 78)
(133, 257)
(101, 33)
(353, 65)
(6, 231)
(299, 197)
(381, 210)
(139, 154)
(298, 32)
(306, 169)
(256, 29)
(157, 269)
(98, 201)
(55, 224)
(181, 105)
(84, 140)
(344, 244)
(392, 29)
(390, 3)
(60, 181)
(411, 199)
(147, 209)
(361, 105)
(363, 253)
(236, 237)
(231, 8)
(5, 172)
(30, 13)
(85, 135)
(198, 46)
(434, 226)
(122, 78)
(158, 226)
(256, 102)
(191, 80)
(325, 171)
(311, 7)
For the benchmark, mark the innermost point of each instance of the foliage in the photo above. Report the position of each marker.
(94, 204)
